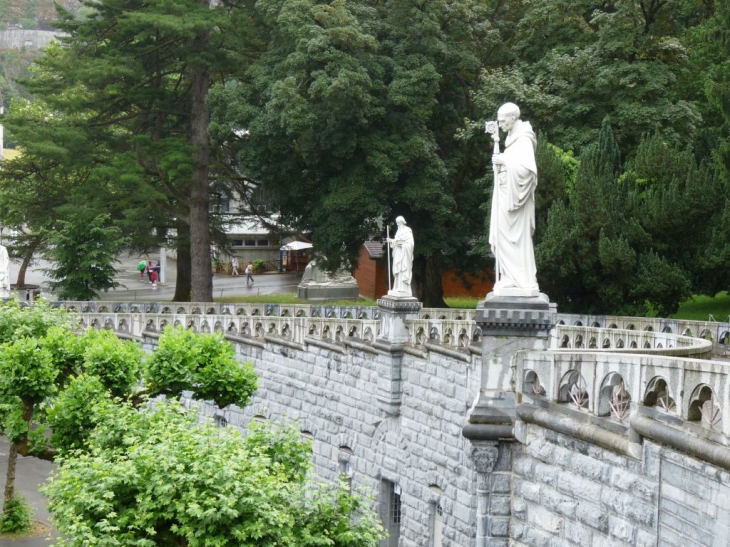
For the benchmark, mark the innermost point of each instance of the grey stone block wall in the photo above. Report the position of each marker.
(332, 394)
(570, 493)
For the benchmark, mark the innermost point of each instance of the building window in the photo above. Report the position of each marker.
(262, 242)
(390, 512)
(250, 243)
(237, 243)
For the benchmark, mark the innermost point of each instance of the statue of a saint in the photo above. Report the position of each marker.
(4, 273)
(402, 245)
(513, 206)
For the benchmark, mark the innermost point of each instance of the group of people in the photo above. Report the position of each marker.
(235, 264)
(146, 267)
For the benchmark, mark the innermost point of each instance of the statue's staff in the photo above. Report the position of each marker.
(492, 128)
(387, 240)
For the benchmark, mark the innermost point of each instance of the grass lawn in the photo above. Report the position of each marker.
(291, 298)
(699, 308)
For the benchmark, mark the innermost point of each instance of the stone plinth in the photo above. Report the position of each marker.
(327, 291)
(393, 334)
(394, 310)
(518, 316)
(509, 324)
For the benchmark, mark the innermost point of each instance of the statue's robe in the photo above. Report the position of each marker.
(513, 212)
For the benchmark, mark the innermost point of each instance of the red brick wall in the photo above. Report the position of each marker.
(372, 280)
(371, 277)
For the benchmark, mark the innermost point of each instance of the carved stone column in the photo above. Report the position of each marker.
(509, 324)
(394, 311)
(485, 456)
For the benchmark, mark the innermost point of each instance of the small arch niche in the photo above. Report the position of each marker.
(658, 395)
(531, 384)
(573, 388)
(703, 407)
(613, 398)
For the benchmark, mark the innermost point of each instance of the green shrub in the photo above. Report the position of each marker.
(259, 265)
(16, 517)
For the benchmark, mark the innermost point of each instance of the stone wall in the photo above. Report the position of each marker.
(568, 492)
(560, 475)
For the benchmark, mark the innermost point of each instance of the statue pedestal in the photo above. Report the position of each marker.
(393, 334)
(509, 324)
(328, 291)
(394, 310)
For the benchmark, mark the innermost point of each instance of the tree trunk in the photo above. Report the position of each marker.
(10, 474)
(201, 272)
(20, 282)
(13, 456)
(182, 283)
(428, 288)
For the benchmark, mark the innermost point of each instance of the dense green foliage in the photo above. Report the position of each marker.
(155, 477)
(349, 113)
(204, 364)
(16, 516)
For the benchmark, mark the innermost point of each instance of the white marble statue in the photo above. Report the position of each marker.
(512, 221)
(315, 276)
(402, 245)
(4, 273)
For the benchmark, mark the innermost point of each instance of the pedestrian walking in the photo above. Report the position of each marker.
(150, 268)
(153, 278)
(234, 266)
(249, 273)
(141, 267)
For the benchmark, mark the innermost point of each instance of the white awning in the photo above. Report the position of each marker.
(296, 246)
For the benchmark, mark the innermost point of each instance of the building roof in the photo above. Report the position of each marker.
(374, 248)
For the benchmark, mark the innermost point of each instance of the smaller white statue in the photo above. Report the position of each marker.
(402, 244)
(4, 273)
(315, 276)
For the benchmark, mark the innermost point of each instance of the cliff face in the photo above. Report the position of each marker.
(33, 15)
(25, 39)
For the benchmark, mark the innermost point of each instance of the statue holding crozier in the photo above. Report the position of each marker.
(512, 221)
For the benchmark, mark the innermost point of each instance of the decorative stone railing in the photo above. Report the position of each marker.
(452, 334)
(610, 398)
(630, 341)
(447, 328)
(714, 331)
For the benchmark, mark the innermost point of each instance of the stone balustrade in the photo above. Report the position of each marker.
(619, 427)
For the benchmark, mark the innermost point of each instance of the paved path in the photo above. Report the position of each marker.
(30, 473)
(132, 288)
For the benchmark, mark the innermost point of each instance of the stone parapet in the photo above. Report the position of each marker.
(516, 316)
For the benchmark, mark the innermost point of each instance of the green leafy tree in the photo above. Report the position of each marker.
(574, 62)
(140, 74)
(639, 238)
(156, 477)
(50, 376)
(356, 115)
(202, 363)
(27, 378)
(83, 251)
